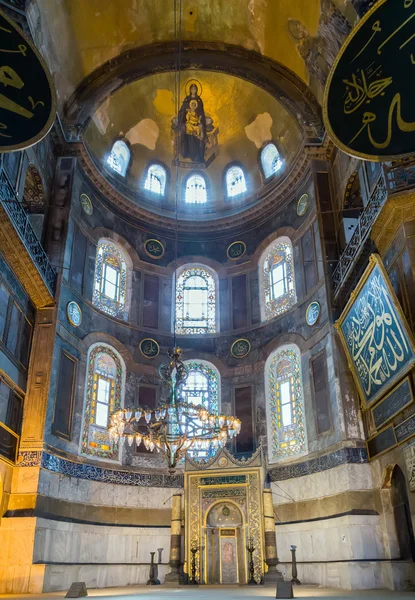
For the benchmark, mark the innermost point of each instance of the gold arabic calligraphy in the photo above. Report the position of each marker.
(359, 89)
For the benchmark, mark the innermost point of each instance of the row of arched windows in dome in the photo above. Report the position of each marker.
(104, 393)
(196, 183)
(197, 287)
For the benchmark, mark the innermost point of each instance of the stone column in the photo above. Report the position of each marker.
(271, 557)
(173, 578)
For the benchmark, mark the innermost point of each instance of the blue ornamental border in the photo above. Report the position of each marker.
(95, 473)
(322, 463)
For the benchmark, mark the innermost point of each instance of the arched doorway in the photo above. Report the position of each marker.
(402, 515)
(225, 556)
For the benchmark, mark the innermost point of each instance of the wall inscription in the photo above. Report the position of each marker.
(375, 335)
(369, 99)
(398, 399)
(27, 95)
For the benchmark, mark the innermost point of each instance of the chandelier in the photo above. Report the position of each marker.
(177, 426)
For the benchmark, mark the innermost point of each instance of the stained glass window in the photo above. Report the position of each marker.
(278, 278)
(156, 180)
(285, 404)
(110, 282)
(201, 388)
(235, 181)
(271, 160)
(119, 157)
(195, 301)
(196, 192)
(103, 396)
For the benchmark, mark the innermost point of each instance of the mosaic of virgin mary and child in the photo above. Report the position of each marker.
(195, 135)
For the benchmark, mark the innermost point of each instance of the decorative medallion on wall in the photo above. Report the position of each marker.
(154, 249)
(369, 96)
(302, 205)
(149, 348)
(240, 348)
(28, 96)
(223, 461)
(312, 314)
(86, 204)
(74, 314)
(236, 250)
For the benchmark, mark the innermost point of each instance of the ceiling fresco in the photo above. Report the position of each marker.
(227, 118)
(77, 36)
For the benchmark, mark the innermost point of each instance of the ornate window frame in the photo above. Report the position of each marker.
(109, 167)
(228, 168)
(270, 307)
(207, 188)
(295, 434)
(91, 433)
(214, 384)
(114, 308)
(152, 194)
(213, 308)
(265, 175)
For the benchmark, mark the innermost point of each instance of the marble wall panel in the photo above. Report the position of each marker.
(326, 483)
(65, 542)
(72, 489)
(352, 537)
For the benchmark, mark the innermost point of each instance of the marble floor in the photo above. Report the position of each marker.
(223, 592)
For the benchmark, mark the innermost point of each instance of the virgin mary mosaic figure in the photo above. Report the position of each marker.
(192, 125)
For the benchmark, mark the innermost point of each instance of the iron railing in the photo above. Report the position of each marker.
(364, 225)
(19, 218)
(400, 176)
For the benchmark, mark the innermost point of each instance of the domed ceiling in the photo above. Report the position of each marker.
(259, 66)
(240, 119)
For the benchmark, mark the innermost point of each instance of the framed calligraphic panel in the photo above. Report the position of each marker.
(27, 94)
(379, 345)
(381, 442)
(393, 403)
(405, 430)
(369, 99)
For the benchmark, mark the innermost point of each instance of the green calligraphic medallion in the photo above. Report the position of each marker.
(74, 314)
(378, 342)
(302, 205)
(369, 100)
(149, 348)
(86, 204)
(312, 314)
(240, 348)
(27, 93)
(236, 250)
(154, 249)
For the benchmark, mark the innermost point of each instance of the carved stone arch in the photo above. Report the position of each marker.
(137, 63)
(387, 476)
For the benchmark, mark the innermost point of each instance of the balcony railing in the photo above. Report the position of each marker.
(19, 218)
(400, 176)
(364, 225)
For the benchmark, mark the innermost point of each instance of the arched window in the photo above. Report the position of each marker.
(202, 387)
(156, 179)
(110, 282)
(270, 159)
(235, 181)
(285, 404)
(104, 383)
(119, 157)
(196, 192)
(278, 289)
(195, 301)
